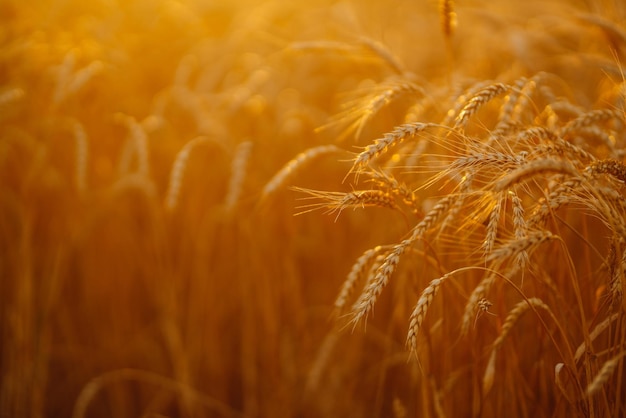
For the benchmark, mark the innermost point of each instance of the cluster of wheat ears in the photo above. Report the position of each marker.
(151, 263)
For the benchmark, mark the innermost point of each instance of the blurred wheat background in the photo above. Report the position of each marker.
(312, 209)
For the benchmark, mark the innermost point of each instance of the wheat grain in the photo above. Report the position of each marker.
(366, 301)
(519, 226)
(604, 374)
(473, 301)
(462, 100)
(516, 246)
(337, 202)
(532, 169)
(510, 101)
(613, 167)
(561, 195)
(492, 226)
(388, 140)
(518, 310)
(591, 118)
(365, 108)
(421, 308)
(355, 275)
(387, 181)
(477, 101)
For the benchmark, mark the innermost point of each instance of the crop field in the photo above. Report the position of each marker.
(320, 208)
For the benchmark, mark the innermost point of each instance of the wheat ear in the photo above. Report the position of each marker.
(517, 246)
(534, 168)
(477, 101)
(613, 167)
(514, 315)
(476, 296)
(599, 329)
(421, 308)
(591, 118)
(177, 173)
(363, 306)
(355, 275)
(604, 374)
(382, 145)
(287, 171)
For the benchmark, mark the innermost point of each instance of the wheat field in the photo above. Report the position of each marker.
(413, 208)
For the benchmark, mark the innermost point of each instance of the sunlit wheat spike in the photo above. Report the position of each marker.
(366, 301)
(492, 226)
(388, 140)
(362, 110)
(462, 100)
(514, 315)
(510, 101)
(477, 294)
(337, 202)
(477, 101)
(389, 183)
(433, 216)
(532, 169)
(447, 17)
(599, 329)
(519, 225)
(541, 133)
(238, 174)
(356, 275)
(516, 246)
(561, 147)
(591, 118)
(177, 173)
(615, 168)
(288, 170)
(604, 374)
(563, 194)
(420, 310)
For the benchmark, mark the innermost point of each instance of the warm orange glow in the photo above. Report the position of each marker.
(457, 169)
